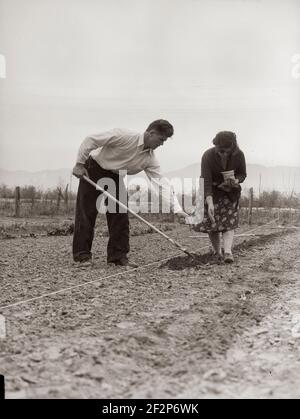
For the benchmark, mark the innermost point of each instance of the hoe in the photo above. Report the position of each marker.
(108, 195)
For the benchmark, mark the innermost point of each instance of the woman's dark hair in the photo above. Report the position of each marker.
(226, 139)
(162, 127)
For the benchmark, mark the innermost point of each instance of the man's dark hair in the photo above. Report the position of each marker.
(162, 127)
(226, 139)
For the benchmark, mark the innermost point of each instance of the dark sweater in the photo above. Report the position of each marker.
(211, 171)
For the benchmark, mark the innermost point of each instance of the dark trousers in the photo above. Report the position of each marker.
(86, 214)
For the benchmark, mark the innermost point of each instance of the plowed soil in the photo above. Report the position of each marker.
(175, 328)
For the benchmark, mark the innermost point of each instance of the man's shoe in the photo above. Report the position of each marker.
(124, 262)
(84, 262)
(228, 258)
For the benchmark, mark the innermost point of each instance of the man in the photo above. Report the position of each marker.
(104, 155)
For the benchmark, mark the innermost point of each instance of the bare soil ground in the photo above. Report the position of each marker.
(178, 328)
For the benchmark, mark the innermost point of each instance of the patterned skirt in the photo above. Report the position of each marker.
(226, 217)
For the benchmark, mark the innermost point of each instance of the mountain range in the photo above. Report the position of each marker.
(281, 178)
(261, 178)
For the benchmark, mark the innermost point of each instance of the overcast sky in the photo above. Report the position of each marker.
(76, 67)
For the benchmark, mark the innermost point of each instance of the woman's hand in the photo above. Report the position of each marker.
(229, 184)
(211, 213)
(211, 209)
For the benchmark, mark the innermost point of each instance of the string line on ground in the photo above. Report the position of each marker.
(73, 287)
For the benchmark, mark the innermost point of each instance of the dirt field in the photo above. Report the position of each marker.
(171, 329)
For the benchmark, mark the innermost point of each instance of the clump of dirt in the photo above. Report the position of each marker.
(34, 227)
(64, 230)
(146, 333)
(185, 262)
(6, 236)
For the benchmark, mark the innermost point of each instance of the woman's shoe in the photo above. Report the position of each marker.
(124, 262)
(218, 257)
(228, 258)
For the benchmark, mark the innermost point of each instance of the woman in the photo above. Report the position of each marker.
(222, 192)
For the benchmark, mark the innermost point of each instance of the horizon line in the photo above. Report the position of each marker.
(167, 171)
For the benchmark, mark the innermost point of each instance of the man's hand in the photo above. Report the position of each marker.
(181, 217)
(79, 170)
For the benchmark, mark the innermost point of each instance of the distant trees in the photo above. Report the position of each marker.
(32, 200)
(30, 192)
(6, 192)
(273, 199)
(270, 199)
(29, 200)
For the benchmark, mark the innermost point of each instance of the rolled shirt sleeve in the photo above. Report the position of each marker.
(157, 180)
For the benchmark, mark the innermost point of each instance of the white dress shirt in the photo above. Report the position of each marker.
(122, 149)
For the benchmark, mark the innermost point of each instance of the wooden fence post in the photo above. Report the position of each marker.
(66, 198)
(251, 196)
(149, 200)
(59, 195)
(138, 199)
(160, 200)
(17, 201)
(33, 198)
